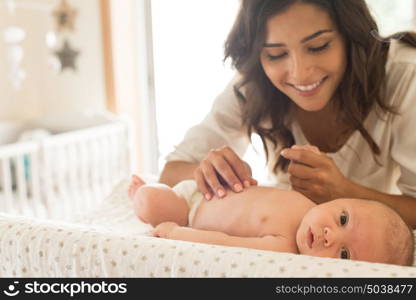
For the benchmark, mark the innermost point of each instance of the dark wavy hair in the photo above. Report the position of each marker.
(362, 81)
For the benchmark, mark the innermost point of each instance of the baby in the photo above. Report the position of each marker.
(270, 218)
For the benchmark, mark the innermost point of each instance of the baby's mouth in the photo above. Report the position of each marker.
(309, 238)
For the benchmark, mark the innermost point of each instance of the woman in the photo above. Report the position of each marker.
(311, 72)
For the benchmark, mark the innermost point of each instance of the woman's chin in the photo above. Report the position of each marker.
(311, 105)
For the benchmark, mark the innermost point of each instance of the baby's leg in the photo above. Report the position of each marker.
(158, 203)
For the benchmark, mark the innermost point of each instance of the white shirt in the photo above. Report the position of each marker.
(395, 134)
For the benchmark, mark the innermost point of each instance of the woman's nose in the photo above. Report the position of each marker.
(299, 70)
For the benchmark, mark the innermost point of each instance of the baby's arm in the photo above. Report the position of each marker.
(173, 231)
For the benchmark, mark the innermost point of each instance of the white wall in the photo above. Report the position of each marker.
(47, 90)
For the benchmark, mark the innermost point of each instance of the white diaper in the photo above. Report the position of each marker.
(188, 189)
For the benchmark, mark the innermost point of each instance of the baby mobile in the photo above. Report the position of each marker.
(13, 37)
(64, 16)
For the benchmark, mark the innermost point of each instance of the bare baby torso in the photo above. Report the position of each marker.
(255, 212)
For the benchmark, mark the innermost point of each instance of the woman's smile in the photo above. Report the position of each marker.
(309, 89)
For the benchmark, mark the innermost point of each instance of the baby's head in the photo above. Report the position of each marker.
(356, 229)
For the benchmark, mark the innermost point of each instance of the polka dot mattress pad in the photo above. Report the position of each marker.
(110, 241)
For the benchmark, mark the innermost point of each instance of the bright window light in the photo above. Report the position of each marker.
(188, 40)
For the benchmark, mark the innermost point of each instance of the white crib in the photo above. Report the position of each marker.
(66, 173)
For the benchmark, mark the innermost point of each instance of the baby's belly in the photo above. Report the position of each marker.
(237, 216)
(255, 212)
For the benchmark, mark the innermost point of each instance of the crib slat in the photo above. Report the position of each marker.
(48, 181)
(21, 182)
(34, 185)
(84, 178)
(6, 183)
(113, 158)
(105, 161)
(129, 151)
(99, 165)
(63, 206)
(125, 146)
(94, 170)
(73, 181)
(119, 157)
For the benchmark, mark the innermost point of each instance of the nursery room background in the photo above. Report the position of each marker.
(94, 90)
(136, 58)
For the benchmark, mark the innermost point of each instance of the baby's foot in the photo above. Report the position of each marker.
(135, 183)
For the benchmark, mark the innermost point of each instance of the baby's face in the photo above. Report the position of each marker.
(345, 228)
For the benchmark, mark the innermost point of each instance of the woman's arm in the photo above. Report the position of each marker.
(175, 171)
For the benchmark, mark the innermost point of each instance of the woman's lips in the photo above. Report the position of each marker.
(309, 238)
(310, 92)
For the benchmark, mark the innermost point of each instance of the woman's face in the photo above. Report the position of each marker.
(304, 56)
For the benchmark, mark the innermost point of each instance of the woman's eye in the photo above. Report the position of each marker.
(343, 219)
(318, 49)
(275, 57)
(345, 254)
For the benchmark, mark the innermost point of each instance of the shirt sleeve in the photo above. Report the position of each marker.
(403, 147)
(221, 127)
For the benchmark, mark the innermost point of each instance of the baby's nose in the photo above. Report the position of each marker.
(328, 237)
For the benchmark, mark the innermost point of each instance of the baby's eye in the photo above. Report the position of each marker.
(343, 219)
(344, 254)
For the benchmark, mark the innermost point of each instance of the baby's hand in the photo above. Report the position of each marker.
(164, 230)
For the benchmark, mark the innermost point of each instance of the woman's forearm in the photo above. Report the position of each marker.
(176, 171)
(405, 205)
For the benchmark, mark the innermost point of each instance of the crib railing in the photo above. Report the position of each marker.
(19, 180)
(84, 165)
(64, 174)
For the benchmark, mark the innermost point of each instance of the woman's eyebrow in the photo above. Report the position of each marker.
(304, 40)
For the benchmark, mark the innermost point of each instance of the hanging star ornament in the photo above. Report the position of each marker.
(65, 16)
(67, 56)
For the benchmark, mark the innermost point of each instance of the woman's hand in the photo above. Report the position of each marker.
(314, 174)
(222, 167)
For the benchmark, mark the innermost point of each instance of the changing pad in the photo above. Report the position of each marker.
(109, 241)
